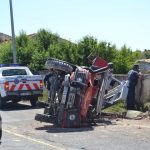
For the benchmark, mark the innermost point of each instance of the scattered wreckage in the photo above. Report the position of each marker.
(78, 94)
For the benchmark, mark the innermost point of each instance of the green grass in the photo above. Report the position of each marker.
(45, 96)
(119, 107)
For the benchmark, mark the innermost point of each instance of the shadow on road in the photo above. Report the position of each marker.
(55, 129)
(105, 122)
(18, 106)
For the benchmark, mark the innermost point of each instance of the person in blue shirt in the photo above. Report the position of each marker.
(133, 76)
(47, 82)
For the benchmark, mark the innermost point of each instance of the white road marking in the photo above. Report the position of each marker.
(34, 140)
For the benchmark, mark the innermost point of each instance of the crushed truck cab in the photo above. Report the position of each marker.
(18, 83)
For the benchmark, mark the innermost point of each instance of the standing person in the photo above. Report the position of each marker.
(133, 76)
(47, 83)
(53, 82)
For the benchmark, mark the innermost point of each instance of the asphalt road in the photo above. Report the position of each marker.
(22, 132)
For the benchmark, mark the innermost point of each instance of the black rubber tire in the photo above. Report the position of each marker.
(52, 63)
(33, 101)
(44, 118)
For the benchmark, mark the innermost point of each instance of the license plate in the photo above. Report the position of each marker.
(24, 94)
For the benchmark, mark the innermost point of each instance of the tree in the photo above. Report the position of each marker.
(86, 46)
(123, 61)
(107, 51)
(136, 55)
(44, 39)
(34, 50)
(25, 48)
(63, 50)
(6, 55)
(22, 40)
(38, 60)
(146, 54)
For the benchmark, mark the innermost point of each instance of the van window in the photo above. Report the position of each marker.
(13, 72)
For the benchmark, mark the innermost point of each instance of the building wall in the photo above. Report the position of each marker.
(144, 67)
(142, 89)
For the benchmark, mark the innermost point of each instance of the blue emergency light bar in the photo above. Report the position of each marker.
(9, 65)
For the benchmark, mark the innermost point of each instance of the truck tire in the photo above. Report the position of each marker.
(44, 118)
(52, 63)
(33, 101)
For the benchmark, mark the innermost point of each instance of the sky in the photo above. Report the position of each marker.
(116, 21)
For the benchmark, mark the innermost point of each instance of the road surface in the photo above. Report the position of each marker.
(22, 132)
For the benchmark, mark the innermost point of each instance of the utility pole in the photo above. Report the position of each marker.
(13, 33)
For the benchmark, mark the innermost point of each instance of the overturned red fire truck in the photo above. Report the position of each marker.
(78, 94)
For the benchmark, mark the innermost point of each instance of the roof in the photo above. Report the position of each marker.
(144, 60)
(4, 37)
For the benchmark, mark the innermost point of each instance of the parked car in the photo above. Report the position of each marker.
(18, 83)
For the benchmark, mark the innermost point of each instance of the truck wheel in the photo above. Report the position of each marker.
(33, 101)
(52, 63)
(44, 118)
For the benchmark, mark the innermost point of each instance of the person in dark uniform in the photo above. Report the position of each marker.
(47, 83)
(133, 76)
(53, 82)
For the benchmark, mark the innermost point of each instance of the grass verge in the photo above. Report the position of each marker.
(44, 98)
(119, 107)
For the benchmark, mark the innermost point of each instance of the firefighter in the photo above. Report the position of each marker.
(133, 76)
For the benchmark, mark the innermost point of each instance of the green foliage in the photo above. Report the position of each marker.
(123, 60)
(137, 55)
(24, 50)
(44, 98)
(107, 51)
(64, 50)
(146, 54)
(33, 51)
(22, 40)
(44, 39)
(6, 55)
(38, 60)
(85, 47)
(119, 107)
